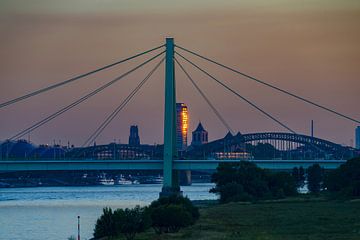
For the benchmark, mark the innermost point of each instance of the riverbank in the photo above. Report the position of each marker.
(295, 219)
(51, 212)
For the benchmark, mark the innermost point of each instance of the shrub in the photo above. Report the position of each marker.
(126, 222)
(170, 218)
(169, 214)
(130, 221)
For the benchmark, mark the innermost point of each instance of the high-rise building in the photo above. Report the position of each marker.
(134, 139)
(181, 126)
(199, 136)
(357, 137)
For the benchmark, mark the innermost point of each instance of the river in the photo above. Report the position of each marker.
(51, 212)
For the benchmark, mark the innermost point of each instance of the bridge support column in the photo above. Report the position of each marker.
(170, 185)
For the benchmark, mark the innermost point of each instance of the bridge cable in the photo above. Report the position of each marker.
(107, 121)
(15, 100)
(209, 103)
(227, 126)
(243, 98)
(82, 99)
(271, 86)
(237, 94)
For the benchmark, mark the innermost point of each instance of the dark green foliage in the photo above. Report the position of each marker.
(170, 218)
(315, 177)
(345, 180)
(232, 192)
(299, 176)
(105, 225)
(126, 222)
(130, 221)
(244, 181)
(281, 184)
(169, 214)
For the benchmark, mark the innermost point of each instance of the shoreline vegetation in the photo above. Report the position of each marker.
(308, 217)
(258, 204)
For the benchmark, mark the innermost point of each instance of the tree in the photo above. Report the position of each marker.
(282, 184)
(169, 214)
(244, 181)
(105, 225)
(315, 177)
(126, 222)
(299, 176)
(345, 180)
(129, 222)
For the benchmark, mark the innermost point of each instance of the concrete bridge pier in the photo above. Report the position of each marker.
(171, 179)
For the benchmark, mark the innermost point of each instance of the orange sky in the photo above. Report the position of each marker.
(308, 47)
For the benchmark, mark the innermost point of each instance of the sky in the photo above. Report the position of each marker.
(310, 48)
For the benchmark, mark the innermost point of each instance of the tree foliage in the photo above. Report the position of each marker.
(170, 218)
(345, 180)
(244, 181)
(169, 214)
(315, 178)
(299, 176)
(126, 222)
(105, 225)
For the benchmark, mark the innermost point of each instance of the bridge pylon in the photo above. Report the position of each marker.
(171, 182)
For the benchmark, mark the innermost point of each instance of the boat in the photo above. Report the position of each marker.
(123, 181)
(153, 180)
(107, 182)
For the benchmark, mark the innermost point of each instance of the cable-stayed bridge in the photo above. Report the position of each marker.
(167, 158)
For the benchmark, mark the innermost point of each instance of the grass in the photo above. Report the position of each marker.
(289, 219)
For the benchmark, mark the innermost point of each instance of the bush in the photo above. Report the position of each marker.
(170, 218)
(169, 214)
(315, 177)
(345, 180)
(126, 222)
(244, 181)
(130, 221)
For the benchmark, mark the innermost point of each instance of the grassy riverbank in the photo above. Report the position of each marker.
(295, 219)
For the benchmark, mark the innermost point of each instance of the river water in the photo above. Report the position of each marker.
(51, 212)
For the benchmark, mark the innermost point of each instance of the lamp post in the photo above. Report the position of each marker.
(78, 238)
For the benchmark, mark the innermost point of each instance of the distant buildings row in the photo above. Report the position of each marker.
(22, 148)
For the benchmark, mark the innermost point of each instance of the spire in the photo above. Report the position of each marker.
(228, 135)
(199, 128)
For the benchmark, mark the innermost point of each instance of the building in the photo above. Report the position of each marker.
(199, 136)
(134, 139)
(357, 137)
(181, 126)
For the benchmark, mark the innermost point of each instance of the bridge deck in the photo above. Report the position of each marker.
(89, 164)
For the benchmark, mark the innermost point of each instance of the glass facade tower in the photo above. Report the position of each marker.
(182, 119)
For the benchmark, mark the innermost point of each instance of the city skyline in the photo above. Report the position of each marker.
(310, 49)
